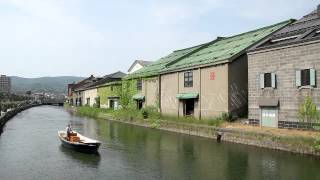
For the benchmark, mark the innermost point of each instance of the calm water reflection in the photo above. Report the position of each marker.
(30, 149)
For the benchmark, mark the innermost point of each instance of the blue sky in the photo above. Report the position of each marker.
(83, 37)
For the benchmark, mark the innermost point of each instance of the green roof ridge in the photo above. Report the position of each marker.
(145, 71)
(259, 29)
(164, 63)
(221, 50)
(191, 47)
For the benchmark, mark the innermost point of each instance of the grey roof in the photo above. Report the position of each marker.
(117, 76)
(89, 83)
(305, 29)
(93, 82)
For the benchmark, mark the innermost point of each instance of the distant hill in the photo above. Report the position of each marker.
(42, 84)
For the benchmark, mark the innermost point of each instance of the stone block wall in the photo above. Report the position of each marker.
(284, 62)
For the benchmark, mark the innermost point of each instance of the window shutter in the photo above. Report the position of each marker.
(312, 77)
(273, 80)
(261, 81)
(298, 78)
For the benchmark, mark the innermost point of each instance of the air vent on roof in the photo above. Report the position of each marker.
(285, 38)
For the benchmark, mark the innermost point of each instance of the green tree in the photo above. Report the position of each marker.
(308, 111)
(126, 92)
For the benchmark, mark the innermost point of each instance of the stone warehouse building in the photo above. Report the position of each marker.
(213, 78)
(201, 81)
(79, 95)
(283, 71)
(108, 90)
(90, 91)
(73, 97)
(146, 80)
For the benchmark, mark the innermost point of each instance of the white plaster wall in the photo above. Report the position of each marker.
(135, 68)
(92, 94)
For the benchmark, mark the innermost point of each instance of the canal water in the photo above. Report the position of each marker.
(31, 150)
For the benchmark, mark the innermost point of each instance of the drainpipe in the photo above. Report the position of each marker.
(144, 86)
(160, 94)
(178, 93)
(200, 109)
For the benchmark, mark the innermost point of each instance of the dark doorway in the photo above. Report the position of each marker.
(189, 107)
(111, 104)
(139, 104)
(80, 102)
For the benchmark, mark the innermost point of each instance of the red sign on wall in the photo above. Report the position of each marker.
(212, 76)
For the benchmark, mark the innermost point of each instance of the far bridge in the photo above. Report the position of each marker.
(54, 102)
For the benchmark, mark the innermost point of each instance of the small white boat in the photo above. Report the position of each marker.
(85, 144)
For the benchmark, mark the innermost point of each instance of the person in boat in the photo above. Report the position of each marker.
(69, 131)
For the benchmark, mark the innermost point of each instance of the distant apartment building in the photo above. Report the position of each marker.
(5, 84)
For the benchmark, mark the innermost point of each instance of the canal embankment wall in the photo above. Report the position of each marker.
(289, 143)
(295, 144)
(11, 113)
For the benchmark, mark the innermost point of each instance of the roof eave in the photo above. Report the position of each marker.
(195, 67)
(110, 83)
(256, 46)
(283, 46)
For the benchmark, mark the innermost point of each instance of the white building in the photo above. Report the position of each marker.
(137, 65)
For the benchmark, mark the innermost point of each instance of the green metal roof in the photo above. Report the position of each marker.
(155, 67)
(224, 49)
(187, 95)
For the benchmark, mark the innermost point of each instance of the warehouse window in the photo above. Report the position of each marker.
(139, 85)
(306, 77)
(267, 80)
(188, 79)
